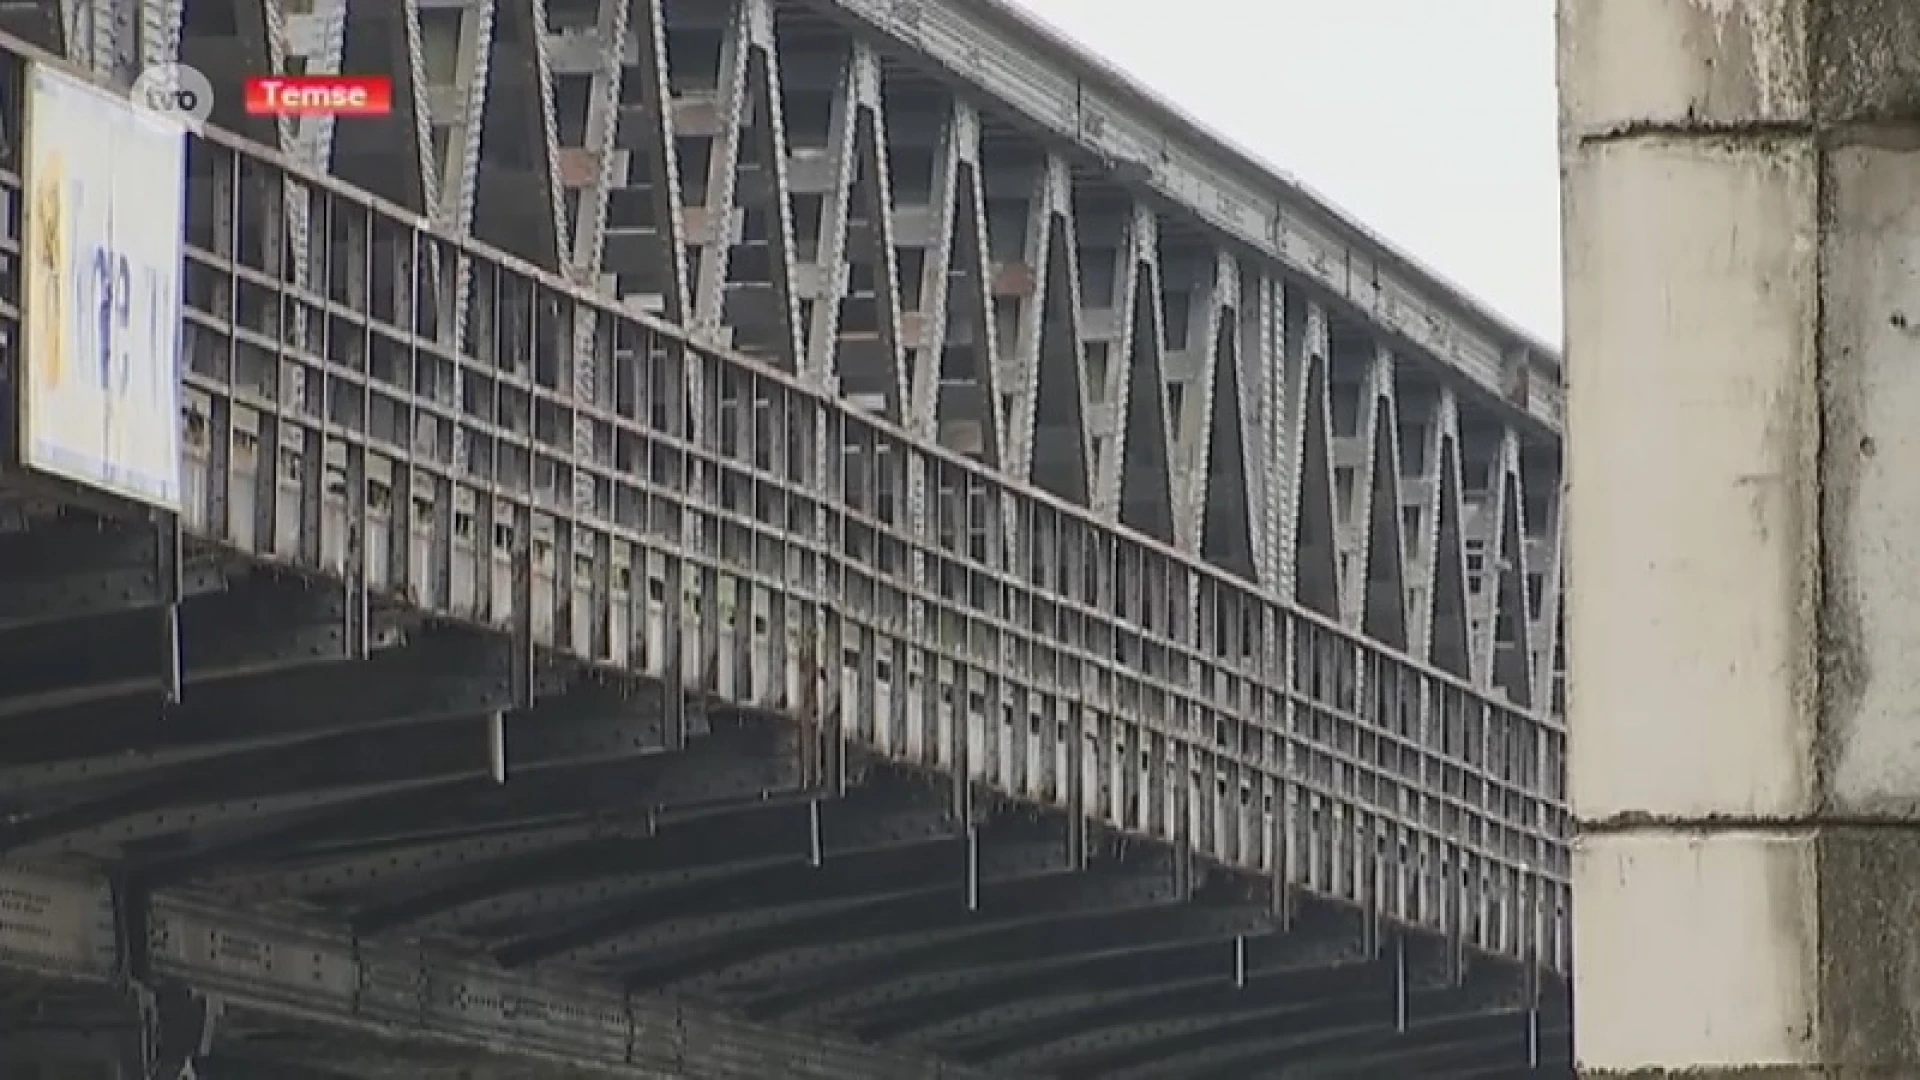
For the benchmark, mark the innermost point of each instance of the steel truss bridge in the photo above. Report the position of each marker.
(743, 539)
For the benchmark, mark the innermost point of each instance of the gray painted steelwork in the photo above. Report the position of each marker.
(1174, 644)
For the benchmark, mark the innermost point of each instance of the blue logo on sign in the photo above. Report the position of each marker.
(112, 284)
(113, 277)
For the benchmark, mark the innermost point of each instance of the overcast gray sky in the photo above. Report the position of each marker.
(1430, 120)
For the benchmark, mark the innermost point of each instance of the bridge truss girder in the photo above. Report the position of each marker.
(793, 184)
(488, 658)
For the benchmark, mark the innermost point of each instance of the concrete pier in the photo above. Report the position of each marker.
(1742, 183)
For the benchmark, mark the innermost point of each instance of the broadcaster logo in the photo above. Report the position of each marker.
(176, 93)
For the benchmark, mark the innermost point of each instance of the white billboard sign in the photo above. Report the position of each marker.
(105, 231)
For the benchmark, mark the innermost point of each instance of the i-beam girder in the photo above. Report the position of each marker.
(1131, 901)
(1243, 949)
(1311, 1022)
(76, 567)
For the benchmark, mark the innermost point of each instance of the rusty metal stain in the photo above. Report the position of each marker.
(579, 167)
(1013, 279)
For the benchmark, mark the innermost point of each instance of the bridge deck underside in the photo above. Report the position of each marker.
(554, 684)
(407, 796)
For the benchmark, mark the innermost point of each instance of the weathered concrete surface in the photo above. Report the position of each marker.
(1720, 729)
(1743, 322)
(1681, 63)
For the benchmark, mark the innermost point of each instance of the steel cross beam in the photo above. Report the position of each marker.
(62, 924)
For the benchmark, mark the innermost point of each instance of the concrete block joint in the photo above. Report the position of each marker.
(1738, 182)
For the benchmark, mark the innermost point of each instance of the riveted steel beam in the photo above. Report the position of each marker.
(1527, 1042)
(266, 964)
(1413, 979)
(654, 843)
(78, 567)
(271, 625)
(405, 825)
(1435, 1027)
(1428, 1048)
(1556, 1064)
(1001, 857)
(392, 838)
(1108, 899)
(432, 675)
(351, 761)
(1241, 950)
(914, 854)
